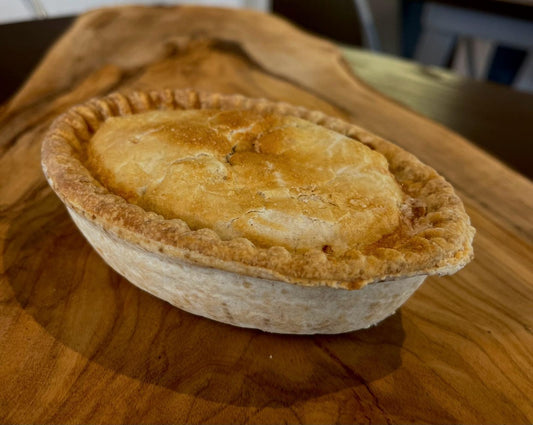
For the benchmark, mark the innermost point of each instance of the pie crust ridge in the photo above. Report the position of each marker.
(436, 239)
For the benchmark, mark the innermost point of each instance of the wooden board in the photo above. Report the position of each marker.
(79, 344)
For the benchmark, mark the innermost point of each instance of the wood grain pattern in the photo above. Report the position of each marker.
(79, 344)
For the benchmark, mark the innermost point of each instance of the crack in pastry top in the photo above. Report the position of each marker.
(275, 180)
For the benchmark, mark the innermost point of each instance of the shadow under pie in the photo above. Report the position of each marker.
(69, 290)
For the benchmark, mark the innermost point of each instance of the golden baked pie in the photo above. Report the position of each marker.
(254, 213)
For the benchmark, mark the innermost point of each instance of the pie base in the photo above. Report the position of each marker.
(246, 301)
(237, 281)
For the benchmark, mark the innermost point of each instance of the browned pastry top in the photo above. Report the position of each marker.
(275, 180)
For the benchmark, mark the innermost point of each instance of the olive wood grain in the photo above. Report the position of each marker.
(79, 344)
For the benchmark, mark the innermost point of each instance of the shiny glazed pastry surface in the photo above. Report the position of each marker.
(275, 180)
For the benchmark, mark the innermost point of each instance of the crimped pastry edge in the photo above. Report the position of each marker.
(441, 244)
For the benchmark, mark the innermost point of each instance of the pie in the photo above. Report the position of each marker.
(254, 213)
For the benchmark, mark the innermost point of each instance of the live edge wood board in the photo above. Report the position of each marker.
(79, 344)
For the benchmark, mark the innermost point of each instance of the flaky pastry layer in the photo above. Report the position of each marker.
(422, 229)
(273, 179)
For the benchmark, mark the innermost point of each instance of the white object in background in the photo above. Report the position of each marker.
(442, 24)
(13, 11)
(37, 8)
(22, 10)
(366, 20)
(68, 7)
